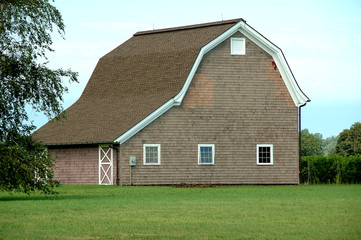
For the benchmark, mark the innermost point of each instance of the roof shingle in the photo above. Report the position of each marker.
(130, 82)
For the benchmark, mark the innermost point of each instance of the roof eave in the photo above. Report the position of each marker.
(78, 143)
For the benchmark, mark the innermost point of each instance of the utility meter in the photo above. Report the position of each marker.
(132, 161)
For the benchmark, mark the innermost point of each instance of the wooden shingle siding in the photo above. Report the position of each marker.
(234, 102)
(78, 164)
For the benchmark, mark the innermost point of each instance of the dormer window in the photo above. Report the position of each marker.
(238, 46)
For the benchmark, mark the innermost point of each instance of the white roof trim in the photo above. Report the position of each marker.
(299, 98)
(179, 97)
(145, 122)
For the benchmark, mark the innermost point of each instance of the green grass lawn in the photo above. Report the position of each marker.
(222, 212)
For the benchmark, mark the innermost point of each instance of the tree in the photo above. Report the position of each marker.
(310, 144)
(25, 166)
(25, 79)
(329, 145)
(318, 135)
(349, 141)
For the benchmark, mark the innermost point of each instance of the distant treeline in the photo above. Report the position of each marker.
(347, 143)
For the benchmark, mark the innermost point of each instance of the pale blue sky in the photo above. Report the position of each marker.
(320, 39)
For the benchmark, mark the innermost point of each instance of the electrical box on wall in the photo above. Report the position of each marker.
(132, 161)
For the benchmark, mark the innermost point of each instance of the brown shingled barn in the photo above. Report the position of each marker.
(213, 103)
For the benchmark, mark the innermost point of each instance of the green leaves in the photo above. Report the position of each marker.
(25, 79)
(331, 169)
(25, 28)
(349, 141)
(29, 22)
(311, 144)
(25, 166)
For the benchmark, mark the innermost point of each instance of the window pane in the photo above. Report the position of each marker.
(206, 154)
(264, 155)
(151, 154)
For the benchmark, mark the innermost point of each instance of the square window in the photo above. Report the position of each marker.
(264, 154)
(205, 154)
(151, 154)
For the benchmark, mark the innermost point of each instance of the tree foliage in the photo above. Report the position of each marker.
(329, 145)
(26, 166)
(26, 79)
(25, 28)
(349, 141)
(310, 144)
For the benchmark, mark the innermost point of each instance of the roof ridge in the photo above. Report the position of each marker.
(236, 20)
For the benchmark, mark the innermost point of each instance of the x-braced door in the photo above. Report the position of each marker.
(105, 165)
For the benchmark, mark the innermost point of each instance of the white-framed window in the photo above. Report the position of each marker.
(264, 154)
(151, 154)
(238, 46)
(205, 154)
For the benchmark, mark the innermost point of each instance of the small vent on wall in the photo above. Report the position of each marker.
(238, 46)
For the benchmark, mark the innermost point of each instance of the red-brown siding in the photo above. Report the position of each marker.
(78, 164)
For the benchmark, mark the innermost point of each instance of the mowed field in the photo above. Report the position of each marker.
(165, 212)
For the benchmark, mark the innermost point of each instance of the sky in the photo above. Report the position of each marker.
(321, 41)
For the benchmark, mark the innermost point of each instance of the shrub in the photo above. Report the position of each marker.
(351, 169)
(331, 169)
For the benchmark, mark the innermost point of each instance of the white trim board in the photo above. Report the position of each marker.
(199, 154)
(145, 157)
(271, 154)
(298, 97)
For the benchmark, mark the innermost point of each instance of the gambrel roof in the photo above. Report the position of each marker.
(145, 76)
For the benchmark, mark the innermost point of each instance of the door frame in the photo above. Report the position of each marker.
(109, 162)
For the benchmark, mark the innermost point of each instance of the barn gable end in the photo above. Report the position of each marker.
(233, 103)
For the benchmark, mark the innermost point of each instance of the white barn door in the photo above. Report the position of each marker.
(105, 165)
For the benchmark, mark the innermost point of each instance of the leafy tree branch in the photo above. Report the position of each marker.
(25, 79)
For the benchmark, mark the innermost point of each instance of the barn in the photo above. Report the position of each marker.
(212, 103)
